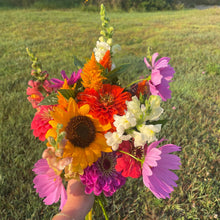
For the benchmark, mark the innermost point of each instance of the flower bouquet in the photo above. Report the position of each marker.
(98, 131)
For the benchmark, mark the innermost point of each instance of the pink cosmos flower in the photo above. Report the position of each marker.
(70, 81)
(40, 123)
(48, 184)
(161, 75)
(156, 169)
(35, 96)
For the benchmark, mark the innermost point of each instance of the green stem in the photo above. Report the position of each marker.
(124, 152)
(136, 81)
(102, 207)
(139, 80)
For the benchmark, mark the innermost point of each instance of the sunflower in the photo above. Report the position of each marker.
(92, 74)
(84, 134)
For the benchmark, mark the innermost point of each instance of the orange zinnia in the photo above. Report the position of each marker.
(105, 103)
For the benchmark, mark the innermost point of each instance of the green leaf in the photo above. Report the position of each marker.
(77, 62)
(119, 70)
(67, 93)
(162, 122)
(50, 100)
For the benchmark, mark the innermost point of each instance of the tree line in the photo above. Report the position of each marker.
(126, 5)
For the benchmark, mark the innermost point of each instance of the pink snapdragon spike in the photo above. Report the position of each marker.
(156, 169)
(35, 96)
(161, 75)
(70, 81)
(48, 184)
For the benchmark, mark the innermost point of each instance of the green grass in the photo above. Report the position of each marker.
(190, 38)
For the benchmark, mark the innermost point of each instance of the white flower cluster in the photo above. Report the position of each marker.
(100, 50)
(134, 123)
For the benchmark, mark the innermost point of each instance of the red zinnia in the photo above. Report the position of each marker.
(105, 103)
(125, 163)
(40, 123)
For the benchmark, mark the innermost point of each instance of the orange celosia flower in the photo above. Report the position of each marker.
(91, 74)
(106, 60)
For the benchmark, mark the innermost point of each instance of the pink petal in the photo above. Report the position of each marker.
(154, 56)
(147, 64)
(63, 197)
(156, 77)
(162, 63)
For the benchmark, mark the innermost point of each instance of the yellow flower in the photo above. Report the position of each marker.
(91, 74)
(84, 134)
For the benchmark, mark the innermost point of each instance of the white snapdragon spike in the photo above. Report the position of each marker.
(100, 50)
(124, 122)
(139, 139)
(113, 140)
(149, 132)
(152, 109)
(134, 108)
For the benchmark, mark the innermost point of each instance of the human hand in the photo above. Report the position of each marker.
(78, 203)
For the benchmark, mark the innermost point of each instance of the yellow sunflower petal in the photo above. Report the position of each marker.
(51, 133)
(84, 110)
(72, 107)
(53, 123)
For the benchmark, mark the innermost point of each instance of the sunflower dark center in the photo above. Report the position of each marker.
(80, 131)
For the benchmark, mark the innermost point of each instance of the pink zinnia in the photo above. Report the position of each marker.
(35, 96)
(102, 176)
(156, 169)
(40, 123)
(161, 75)
(48, 184)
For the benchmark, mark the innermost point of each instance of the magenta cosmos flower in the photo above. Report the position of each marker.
(70, 81)
(156, 169)
(48, 184)
(102, 176)
(161, 75)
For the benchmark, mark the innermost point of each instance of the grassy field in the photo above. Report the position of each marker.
(191, 38)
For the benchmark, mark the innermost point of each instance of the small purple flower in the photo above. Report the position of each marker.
(102, 176)
(156, 169)
(161, 75)
(48, 184)
(70, 81)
